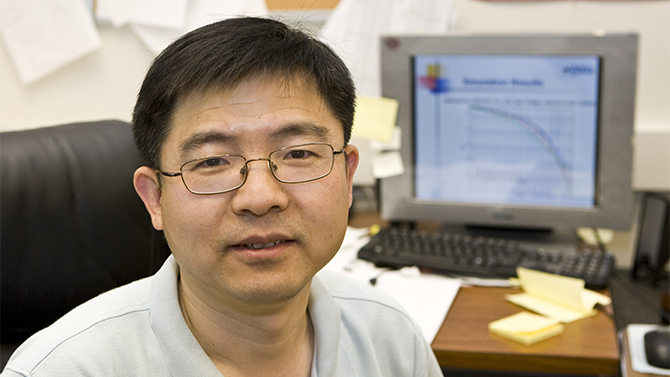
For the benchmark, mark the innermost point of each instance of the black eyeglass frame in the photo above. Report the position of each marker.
(245, 169)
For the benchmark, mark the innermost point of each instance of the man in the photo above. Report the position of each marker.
(244, 125)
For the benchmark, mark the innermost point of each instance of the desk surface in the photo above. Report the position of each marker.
(587, 347)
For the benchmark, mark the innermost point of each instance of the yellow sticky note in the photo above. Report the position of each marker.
(550, 309)
(526, 328)
(558, 297)
(375, 118)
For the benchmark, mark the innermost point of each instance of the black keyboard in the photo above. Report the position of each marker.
(466, 255)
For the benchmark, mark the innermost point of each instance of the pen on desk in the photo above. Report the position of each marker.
(373, 281)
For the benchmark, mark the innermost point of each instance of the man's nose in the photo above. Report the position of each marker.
(261, 192)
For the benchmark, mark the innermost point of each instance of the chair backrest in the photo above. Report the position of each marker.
(71, 224)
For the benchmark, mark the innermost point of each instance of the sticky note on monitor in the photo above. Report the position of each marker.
(526, 328)
(375, 118)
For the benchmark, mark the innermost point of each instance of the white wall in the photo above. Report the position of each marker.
(104, 84)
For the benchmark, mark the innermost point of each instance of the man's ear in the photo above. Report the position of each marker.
(352, 163)
(148, 188)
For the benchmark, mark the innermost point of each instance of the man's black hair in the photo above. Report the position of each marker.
(220, 55)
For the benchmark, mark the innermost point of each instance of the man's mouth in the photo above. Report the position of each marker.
(258, 246)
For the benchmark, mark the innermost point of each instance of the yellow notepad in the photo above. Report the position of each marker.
(526, 328)
(558, 297)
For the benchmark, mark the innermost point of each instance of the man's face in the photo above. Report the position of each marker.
(263, 242)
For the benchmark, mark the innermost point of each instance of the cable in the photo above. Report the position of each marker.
(599, 240)
(630, 288)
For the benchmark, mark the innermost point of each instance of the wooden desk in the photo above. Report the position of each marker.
(587, 347)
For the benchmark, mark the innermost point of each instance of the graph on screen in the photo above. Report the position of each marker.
(521, 132)
(497, 134)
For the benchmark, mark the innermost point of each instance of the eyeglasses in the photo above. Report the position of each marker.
(219, 174)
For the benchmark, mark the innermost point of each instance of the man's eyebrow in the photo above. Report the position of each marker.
(199, 139)
(302, 129)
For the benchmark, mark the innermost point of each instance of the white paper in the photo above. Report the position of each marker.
(386, 159)
(42, 36)
(355, 26)
(198, 13)
(363, 175)
(158, 13)
(426, 297)
(387, 164)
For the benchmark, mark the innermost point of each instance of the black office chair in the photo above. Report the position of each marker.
(71, 224)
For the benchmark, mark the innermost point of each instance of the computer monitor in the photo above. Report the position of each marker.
(512, 131)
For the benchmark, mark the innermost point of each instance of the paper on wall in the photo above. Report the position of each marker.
(387, 164)
(42, 36)
(558, 297)
(198, 13)
(354, 28)
(159, 13)
(163, 28)
(386, 158)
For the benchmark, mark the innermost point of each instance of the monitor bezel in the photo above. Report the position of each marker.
(614, 194)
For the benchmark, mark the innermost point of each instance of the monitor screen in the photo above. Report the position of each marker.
(521, 131)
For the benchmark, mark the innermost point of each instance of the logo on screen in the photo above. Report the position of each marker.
(578, 70)
(434, 81)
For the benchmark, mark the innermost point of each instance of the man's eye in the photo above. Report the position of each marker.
(298, 154)
(213, 162)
